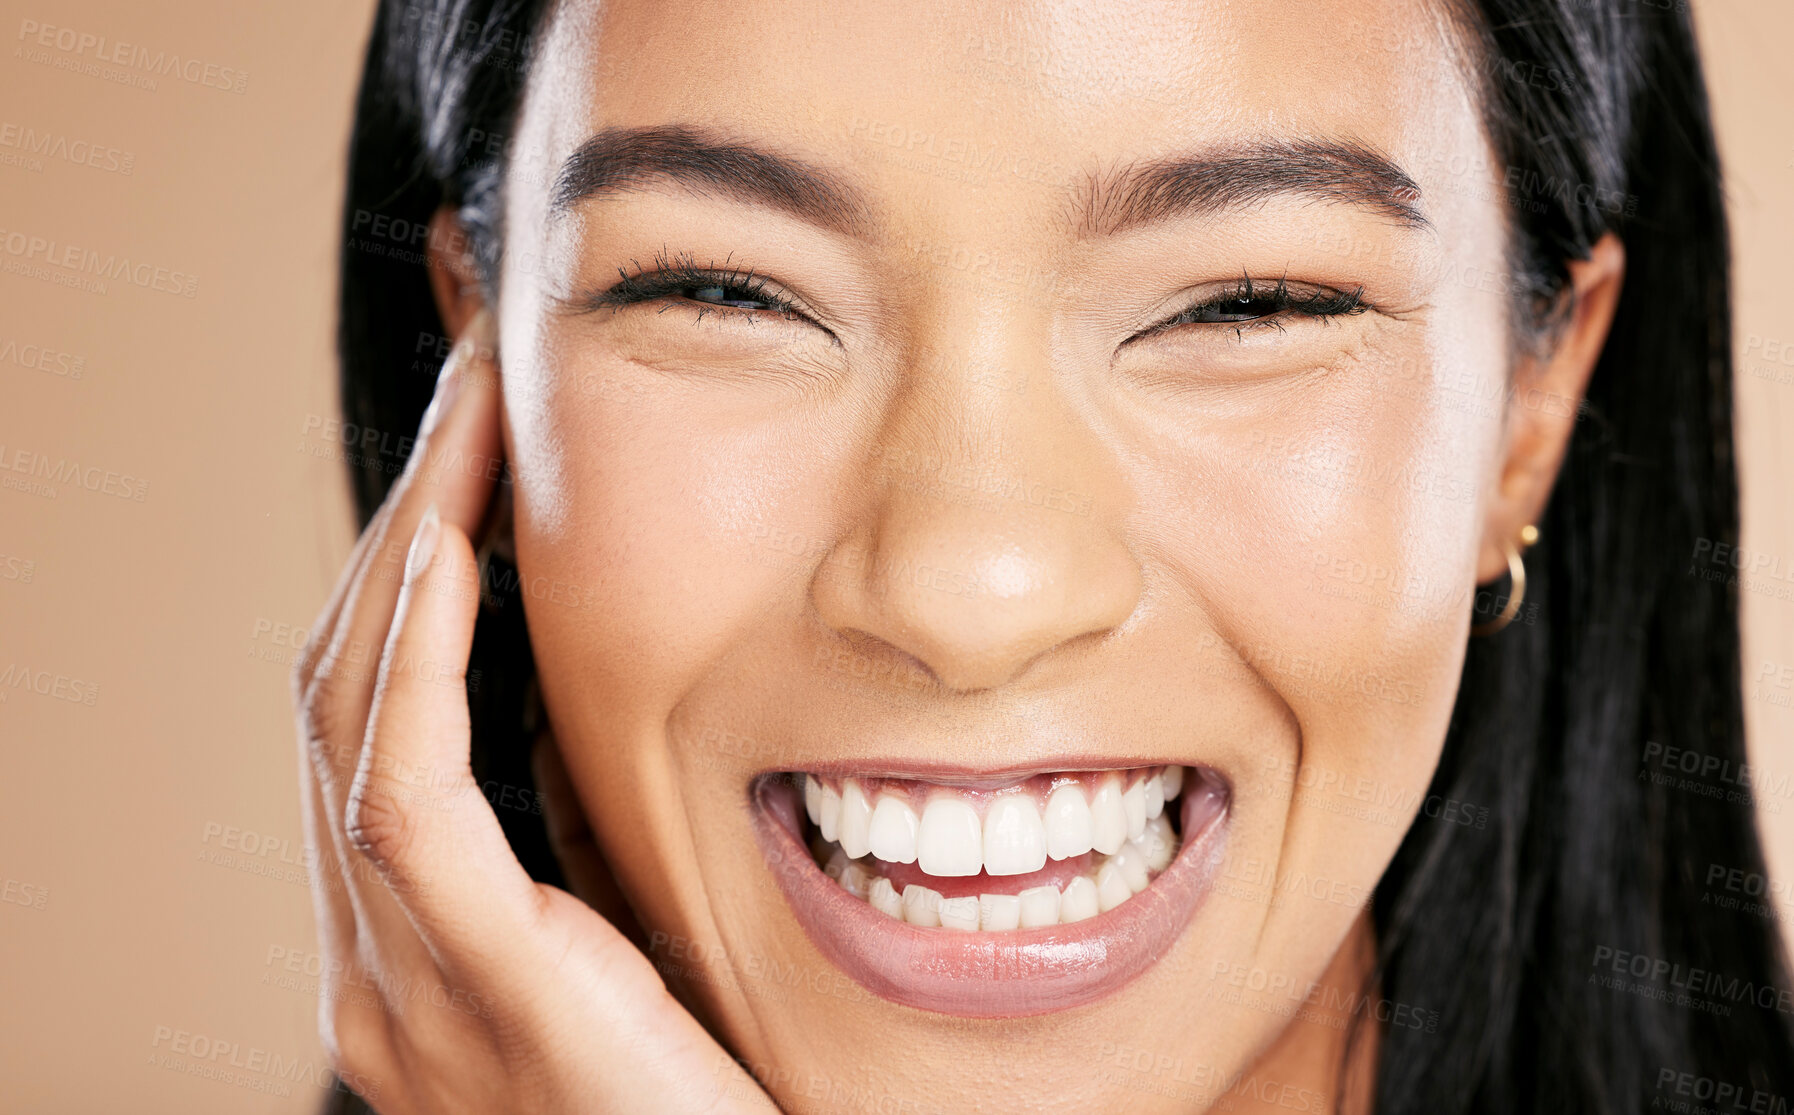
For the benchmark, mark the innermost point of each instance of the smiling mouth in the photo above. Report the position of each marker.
(1050, 850)
(994, 897)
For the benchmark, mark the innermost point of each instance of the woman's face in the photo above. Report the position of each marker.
(909, 398)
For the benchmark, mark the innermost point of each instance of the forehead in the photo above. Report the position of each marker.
(1029, 102)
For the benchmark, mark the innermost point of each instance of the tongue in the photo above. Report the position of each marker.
(1056, 872)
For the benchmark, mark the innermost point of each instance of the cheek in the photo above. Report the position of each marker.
(1337, 514)
(1338, 532)
(1384, 555)
(1331, 534)
(681, 519)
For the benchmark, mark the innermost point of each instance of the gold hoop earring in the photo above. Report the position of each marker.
(1516, 569)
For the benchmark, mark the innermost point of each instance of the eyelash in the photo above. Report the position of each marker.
(1322, 303)
(671, 277)
(674, 277)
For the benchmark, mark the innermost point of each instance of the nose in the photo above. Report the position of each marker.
(988, 537)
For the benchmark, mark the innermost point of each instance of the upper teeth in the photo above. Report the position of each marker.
(1103, 886)
(1014, 835)
(893, 834)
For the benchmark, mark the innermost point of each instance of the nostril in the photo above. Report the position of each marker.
(870, 657)
(932, 663)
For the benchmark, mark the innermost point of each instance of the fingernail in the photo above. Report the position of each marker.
(480, 328)
(423, 544)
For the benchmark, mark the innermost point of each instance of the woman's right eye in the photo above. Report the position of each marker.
(680, 280)
(748, 296)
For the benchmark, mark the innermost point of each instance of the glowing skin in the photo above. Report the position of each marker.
(966, 514)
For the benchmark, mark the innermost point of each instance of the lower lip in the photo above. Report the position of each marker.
(991, 975)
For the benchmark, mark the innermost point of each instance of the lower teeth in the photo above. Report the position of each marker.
(1112, 880)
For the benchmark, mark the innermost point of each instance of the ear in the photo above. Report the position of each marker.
(455, 283)
(454, 279)
(1546, 402)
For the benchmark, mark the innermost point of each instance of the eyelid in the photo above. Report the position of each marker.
(670, 273)
(1321, 302)
(649, 285)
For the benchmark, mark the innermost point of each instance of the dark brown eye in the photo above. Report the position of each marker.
(1233, 310)
(680, 278)
(739, 298)
(1248, 302)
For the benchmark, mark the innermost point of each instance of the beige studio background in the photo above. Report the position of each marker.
(150, 848)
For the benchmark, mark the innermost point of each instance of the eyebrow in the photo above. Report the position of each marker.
(618, 160)
(1212, 182)
(621, 159)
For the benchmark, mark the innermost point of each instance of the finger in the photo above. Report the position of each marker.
(330, 901)
(318, 640)
(415, 810)
(459, 429)
(320, 829)
(314, 734)
(344, 1021)
(452, 465)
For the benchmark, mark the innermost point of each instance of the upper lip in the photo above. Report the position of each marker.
(967, 776)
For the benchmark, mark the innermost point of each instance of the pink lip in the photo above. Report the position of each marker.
(994, 975)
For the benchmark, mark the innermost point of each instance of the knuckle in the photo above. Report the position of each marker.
(322, 725)
(331, 763)
(324, 690)
(305, 664)
(299, 677)
(379, 826)
(342, 672)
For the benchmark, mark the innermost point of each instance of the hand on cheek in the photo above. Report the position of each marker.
(456, 983)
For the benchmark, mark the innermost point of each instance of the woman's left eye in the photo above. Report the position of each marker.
(739, 298)
(1230, 311)
(1246, 305)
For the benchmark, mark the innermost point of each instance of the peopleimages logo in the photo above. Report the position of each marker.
(136, 61)
(1689, 981)
(41, 358)
(30, 142)
(28, 250)
(27, 466)
(45, 683)
(1723, 1095)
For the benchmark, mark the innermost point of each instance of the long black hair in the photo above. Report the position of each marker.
(1595, 942)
